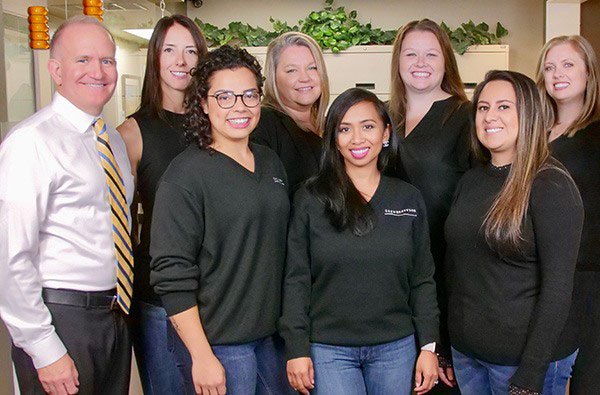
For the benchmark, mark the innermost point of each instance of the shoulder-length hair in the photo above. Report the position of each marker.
(272, 98)
(344, 205)
(197, 126)
(151, 100)
(451, 83)
(591, 104)
(502, 224)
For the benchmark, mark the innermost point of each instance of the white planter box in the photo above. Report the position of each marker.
(368, 66)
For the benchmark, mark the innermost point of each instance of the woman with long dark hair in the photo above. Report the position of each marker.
(513, 236)
(430, 109)
(568, 78)
(154, 135)
(293, 109)
(219, 235)
(359, 303)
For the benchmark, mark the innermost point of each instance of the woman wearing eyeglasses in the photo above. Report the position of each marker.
(219, 235)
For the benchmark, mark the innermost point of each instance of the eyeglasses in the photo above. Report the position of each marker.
(227, 99)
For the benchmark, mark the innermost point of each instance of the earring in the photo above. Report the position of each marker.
(386, 143)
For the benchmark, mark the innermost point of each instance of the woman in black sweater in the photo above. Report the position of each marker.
(219, 234)
(154, 135)
(568, 80)
(296, 98)
(513, 235)
(431, 111)
(359, 295)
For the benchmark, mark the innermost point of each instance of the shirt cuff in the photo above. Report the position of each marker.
(47, 351)
(429, 347)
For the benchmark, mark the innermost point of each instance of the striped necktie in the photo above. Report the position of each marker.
(119, 212)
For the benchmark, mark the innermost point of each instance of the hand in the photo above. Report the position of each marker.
(446, 371)
(426, 372)
(301, 374)
(209, 376)
(60, 377)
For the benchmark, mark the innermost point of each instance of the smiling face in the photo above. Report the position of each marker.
(360, 136)
(232, 125)
(84, 67)
(178, 56)
(421, 63)
(297, 78)
(497, 121)
(565, 74)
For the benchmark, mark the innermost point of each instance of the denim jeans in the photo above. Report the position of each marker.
(154, 356)
(476, 377)
(377, 370)
(256, 367)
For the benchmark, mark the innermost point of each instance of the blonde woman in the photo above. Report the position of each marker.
(567, 78)
(513, 236)
(294, 105)
(429, 107)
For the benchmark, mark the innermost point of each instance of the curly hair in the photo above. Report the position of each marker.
(197, 125)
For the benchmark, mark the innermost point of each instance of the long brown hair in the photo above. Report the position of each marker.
(591, 104)
(451, 83)
(502, 224)
(274, 50)
(151, 90)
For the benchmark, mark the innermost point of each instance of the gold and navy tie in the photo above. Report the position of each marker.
(119, 212)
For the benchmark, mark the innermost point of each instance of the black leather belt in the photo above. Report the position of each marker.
(88, 300)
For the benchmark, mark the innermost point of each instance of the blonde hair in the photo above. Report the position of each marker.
(271, 92)
(591, 104)
(451, 83)
(502, 224)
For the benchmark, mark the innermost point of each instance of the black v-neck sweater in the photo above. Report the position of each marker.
(346, 290)
(218, 241)
(510, 309)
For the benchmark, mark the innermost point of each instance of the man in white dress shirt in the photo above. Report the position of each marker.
(57, 253)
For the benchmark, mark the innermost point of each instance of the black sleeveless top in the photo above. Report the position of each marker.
(162, 141)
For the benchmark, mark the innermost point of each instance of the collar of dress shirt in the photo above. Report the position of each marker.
(78, 118)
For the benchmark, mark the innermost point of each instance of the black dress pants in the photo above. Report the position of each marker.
(97, 339)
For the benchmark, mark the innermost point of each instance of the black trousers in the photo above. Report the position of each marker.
(97, 339)
(586, 372)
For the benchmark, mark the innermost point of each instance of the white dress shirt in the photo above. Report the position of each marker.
(55, 222)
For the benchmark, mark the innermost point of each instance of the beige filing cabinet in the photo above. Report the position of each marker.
(368, 66)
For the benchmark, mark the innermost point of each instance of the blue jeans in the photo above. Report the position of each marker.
(476, 377)
(256, 367)
(153, 350)
(377, 370)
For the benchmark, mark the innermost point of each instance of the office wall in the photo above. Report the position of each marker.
(523, 18)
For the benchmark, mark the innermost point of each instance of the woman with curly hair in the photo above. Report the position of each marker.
(219, 235)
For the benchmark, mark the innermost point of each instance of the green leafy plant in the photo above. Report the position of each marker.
(336, 29)
(469, 33)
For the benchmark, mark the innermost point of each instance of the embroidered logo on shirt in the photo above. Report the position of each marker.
(278, 181)
(406, 212)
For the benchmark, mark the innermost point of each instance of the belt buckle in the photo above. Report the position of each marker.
(113, 302)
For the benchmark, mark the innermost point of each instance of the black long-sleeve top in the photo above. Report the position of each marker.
(342, 289)
(219, 240)
(580, 154)
(299, 150)
(433, 157)
(510, 308)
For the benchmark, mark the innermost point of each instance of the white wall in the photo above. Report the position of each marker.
(523, 18)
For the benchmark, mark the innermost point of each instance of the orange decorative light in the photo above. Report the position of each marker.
(93, 8)
(38, 27)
